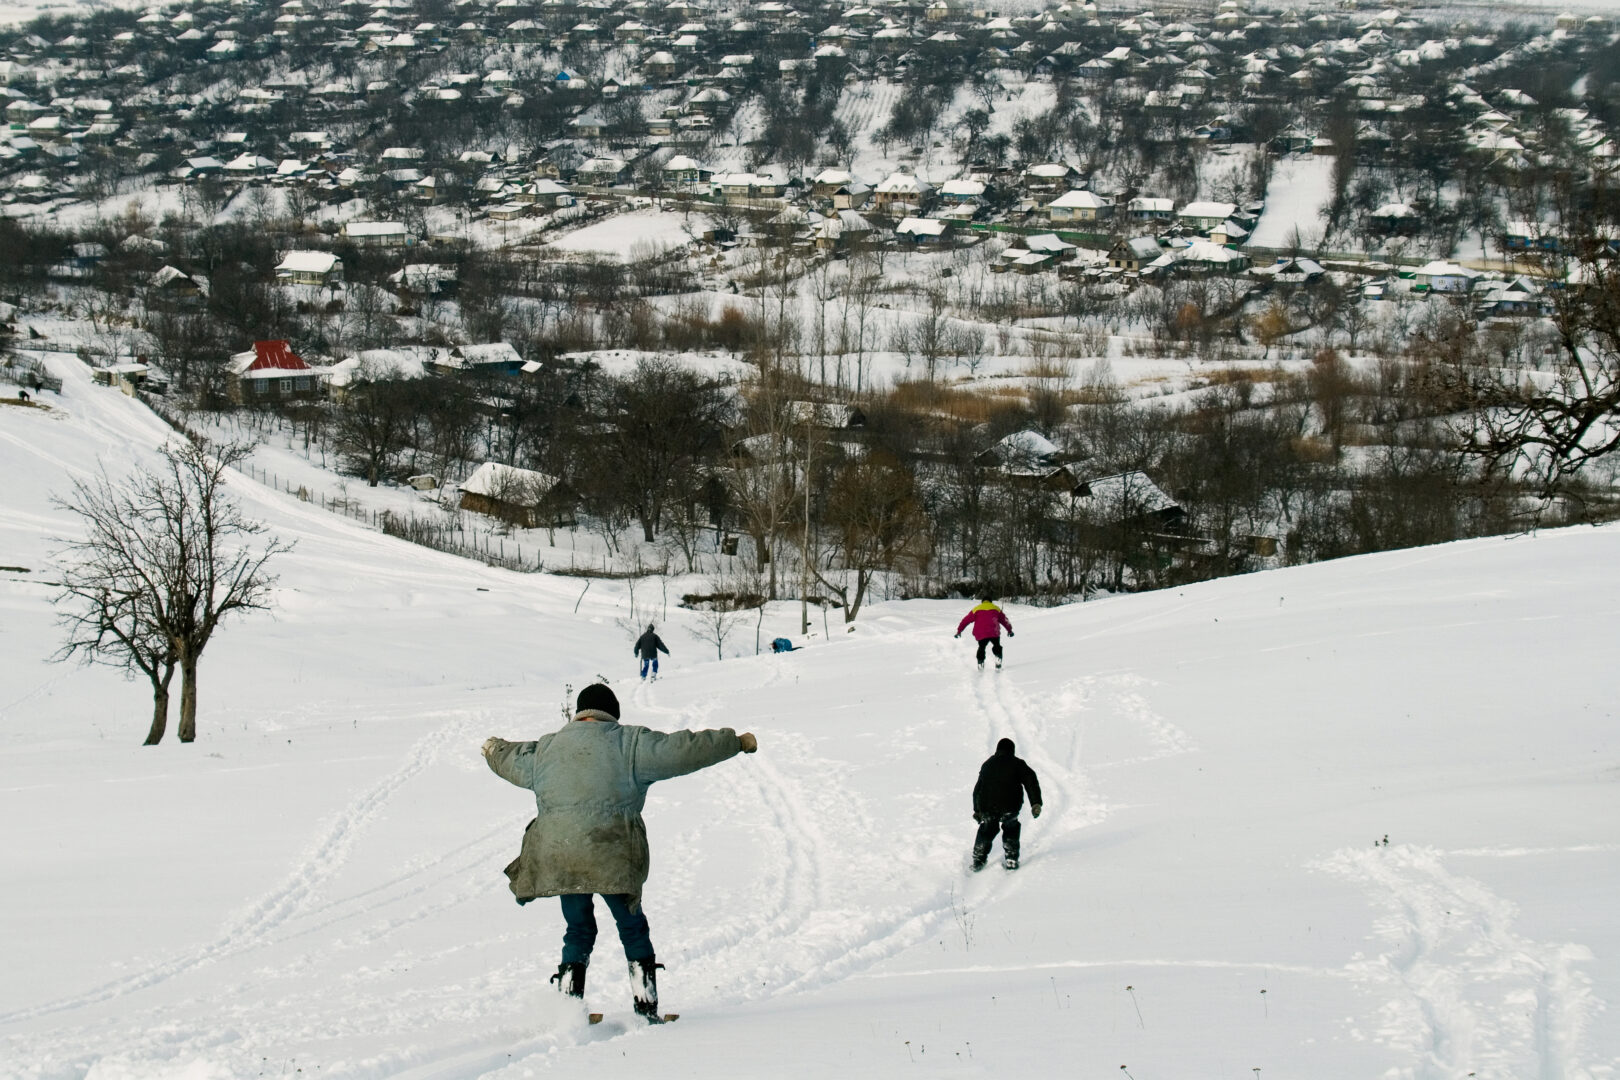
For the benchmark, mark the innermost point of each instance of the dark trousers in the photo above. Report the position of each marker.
(1009, 827)
(580, 937)
(995, 647)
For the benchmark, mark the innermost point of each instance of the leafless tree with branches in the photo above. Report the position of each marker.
(165, 557)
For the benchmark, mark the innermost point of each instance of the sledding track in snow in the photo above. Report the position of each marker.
(293, 898)
(1462, 992)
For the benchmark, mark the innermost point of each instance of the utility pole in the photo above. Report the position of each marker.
(804, 553)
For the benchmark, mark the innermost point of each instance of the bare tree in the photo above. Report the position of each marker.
(762, 477)
(165, 557)
(373, 422)
(1549, 424)
(107, 623)
(720, 614)
(878, 519)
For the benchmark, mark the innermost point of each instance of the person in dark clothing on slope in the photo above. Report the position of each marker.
(648, 646)
(997, 799)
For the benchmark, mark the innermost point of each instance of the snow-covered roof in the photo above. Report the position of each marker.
(374, 228)
(1124, 495)
(308, 262)
(493, 352)
(1080, 200)
(915, 226)
(1048, 243)
(373, 364)
(508, 483)
(1221, 210)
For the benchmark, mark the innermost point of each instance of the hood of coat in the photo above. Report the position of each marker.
(597, 715)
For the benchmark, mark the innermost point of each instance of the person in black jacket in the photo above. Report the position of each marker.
(997, 799)
(648, 646)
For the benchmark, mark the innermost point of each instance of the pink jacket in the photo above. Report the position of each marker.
(987, 620)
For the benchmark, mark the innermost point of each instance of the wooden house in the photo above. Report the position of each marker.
(1131, 255)
(271, 372)
(519, 497)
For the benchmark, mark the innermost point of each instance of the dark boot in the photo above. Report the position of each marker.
(570, 979)
(644, 985)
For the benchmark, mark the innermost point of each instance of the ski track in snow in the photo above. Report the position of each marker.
(297, 895)
(1464, 994)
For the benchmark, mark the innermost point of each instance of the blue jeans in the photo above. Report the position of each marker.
(580, 937)
(644, 662)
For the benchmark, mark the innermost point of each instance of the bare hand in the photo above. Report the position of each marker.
(749, 743)
(1035, 810)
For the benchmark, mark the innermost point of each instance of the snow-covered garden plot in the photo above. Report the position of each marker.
(1330, 821)
(1297, 200)
(638, 234)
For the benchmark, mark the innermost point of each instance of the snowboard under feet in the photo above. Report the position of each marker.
(667, 1018)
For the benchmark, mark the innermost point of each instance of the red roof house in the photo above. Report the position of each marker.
(271, 371)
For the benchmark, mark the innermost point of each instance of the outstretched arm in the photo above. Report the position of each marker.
(963, 625)
(511, 761)
(661, 646)
(661, 755)
(1001, 617)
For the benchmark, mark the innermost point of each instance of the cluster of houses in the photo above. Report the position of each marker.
(687, 65)
(271, 373)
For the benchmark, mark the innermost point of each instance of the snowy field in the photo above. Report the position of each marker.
(1297, 199)
(14, 13)
(640, 233)
(314, 888)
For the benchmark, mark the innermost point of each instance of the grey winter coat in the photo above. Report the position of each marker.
(590, 781)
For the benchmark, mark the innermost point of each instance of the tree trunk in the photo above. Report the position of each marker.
(160, 714)
(863, 578)
(188, 699)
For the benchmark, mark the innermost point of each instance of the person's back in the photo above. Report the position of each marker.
(998, 797)
(647, 648)
(590, 781)
(987, 621)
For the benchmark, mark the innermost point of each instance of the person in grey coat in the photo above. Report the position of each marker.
(590, 781)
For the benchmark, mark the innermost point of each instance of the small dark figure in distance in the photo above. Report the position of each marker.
(998, 798)
(648, 646)
(987, 621)
(783, 644)
(22, 395)
(590, 781)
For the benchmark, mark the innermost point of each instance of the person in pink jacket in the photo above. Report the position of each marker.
(987, 621)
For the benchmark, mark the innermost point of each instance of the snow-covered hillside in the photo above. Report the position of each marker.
(314, 888)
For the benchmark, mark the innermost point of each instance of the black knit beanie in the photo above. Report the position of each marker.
(597, 698)
(1004, 747)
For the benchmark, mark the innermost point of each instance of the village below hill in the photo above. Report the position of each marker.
(817, 299)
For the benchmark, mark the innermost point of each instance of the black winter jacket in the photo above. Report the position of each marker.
(649, 645)
(1002, 782)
